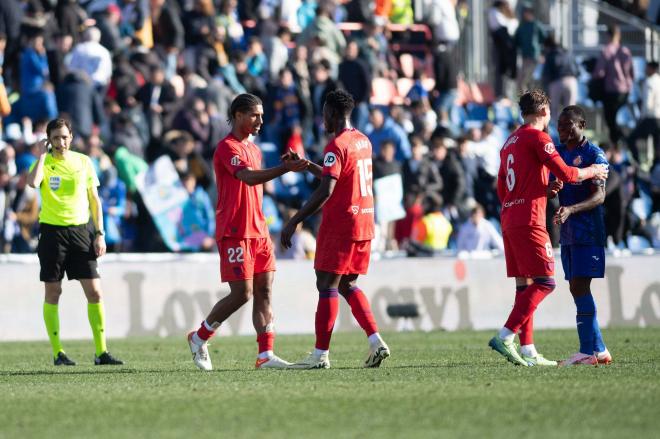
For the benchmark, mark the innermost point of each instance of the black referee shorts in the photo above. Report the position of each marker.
(67, 249)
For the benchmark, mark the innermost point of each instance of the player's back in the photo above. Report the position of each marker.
(524, 178)
(349, 212)
(238, 210)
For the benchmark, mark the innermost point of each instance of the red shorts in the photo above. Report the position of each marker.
(342, 256)
(528, 252)
(241, 259)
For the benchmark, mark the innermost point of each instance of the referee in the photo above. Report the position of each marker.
(67, 182)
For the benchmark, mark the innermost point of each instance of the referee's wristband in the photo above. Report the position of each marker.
(99, 233)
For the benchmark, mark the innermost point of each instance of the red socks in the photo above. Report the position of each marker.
(527, 301)
(205, 331)
(265, 340)
(361, 310)
(526, 333)
(326, 314)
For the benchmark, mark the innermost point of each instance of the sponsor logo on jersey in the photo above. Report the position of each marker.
(54, 182)
(514, 202)
(549, 148)
(361, 144)
(355, 209)
(367, 210)
(577, 160)
(235, 161)
(330, 159)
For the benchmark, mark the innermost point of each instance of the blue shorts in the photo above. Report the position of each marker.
(583, 261)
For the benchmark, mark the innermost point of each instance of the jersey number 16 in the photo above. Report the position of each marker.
(365, 174)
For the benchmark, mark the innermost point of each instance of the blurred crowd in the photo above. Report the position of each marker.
(143, 79)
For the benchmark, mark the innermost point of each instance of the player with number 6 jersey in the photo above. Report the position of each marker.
(343, 244)
(527, 157)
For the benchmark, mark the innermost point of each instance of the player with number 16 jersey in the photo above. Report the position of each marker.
(347, 227)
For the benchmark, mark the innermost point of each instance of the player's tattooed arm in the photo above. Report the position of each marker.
(313, 205)
(597, 198)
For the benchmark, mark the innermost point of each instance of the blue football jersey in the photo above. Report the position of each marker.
(582, 228)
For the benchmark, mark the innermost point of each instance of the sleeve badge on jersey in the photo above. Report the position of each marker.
(577, 160)
(330, 159)
(549, 148)
(235, 161)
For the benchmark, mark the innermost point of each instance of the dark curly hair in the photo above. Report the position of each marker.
(340, 101)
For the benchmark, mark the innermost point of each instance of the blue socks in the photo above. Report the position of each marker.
(585, 320)
(591, 340)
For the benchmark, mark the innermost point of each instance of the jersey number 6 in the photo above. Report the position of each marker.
(510, 175)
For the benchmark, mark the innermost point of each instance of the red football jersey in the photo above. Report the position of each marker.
(349, 213)
(238, 212)
(525, 161)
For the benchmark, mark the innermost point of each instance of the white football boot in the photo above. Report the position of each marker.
(200, 354)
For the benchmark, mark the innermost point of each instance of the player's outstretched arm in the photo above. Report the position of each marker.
(316, 170)
(315, 202)
(597, 198)
(570, 174)
(253, 177)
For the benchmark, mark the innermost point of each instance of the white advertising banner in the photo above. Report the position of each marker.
(170, 294)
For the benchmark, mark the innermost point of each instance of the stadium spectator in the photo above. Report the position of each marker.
(355, 77)
(37, 99)
(66, 243)
(430, 233)
(445, 88)
(441, 17)
(649, 120)
(158, 99)
(324, 30)
(453, 178)
(502, 25)
(478, 234)
(383, 128)
(197, 222)
(422, 182)
(113, 198)
(529, 39)
(615, 67)
(559, 76)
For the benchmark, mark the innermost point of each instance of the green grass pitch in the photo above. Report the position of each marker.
(435, 385)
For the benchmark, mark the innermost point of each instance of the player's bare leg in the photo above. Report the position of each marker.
(592, 348)
(361, 310)
(240, 292)
(262, 319)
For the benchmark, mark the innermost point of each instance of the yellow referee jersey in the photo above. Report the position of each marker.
(63, 190)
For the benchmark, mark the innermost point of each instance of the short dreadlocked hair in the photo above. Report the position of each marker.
(531, 102)
(340, 101)
(242, 104)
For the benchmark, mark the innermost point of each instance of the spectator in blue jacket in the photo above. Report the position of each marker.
(383, 128)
